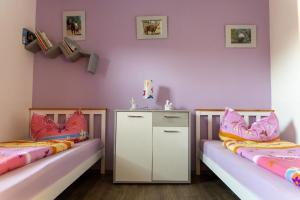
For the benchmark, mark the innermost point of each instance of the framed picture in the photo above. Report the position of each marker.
(243, 36)
(151, 27)
(74, 25)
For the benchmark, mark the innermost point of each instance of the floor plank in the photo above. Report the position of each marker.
(93, 186)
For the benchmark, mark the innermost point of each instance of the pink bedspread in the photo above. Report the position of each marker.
(15, 154)
(34, 179)
(282, 158)
(11, 158)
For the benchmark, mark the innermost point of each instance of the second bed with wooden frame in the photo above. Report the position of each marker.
(206, 117)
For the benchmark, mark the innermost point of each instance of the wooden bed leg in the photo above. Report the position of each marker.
(198, 167)
(103, 133)
(102, 168)
(198, 143)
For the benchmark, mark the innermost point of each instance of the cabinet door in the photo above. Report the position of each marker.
(170, 154)
(133, 158)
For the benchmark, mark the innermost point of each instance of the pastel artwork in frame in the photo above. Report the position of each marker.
(74, 25)
(152, 27)
(240, 36)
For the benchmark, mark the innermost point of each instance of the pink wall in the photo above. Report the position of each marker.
(192, 66)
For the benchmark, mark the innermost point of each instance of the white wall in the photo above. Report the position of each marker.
(285, 65)
(16, 68)
(299, 17)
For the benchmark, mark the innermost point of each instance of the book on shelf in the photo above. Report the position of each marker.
(71, 45)
(27, 36)
(40, 41)
(46, 40)
(66, 47)
(43, 40)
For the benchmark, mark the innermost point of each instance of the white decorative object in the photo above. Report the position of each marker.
(168, 105)
(133, 104)
(152, 146)
(240, 36)
(148, 92)
(148, 89)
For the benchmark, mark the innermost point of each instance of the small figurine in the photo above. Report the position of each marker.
(133, 104)
(168, 105)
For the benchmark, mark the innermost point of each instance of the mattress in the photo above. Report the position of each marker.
(258, 180)
(28, 181)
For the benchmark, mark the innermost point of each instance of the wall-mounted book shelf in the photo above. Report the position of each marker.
(69, 48)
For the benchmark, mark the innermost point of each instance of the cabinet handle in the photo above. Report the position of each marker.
(169, 117)
(170, 131)
(135, 116)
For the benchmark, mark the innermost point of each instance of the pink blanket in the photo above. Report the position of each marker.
(11, 158)
(16, 154)
(281, 158)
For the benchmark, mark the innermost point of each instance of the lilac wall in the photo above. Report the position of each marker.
(192, 67)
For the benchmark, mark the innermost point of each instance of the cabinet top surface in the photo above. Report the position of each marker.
(149, 110)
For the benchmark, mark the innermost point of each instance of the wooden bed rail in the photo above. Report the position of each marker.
(239, 110)
(210, 113)
(61, 109)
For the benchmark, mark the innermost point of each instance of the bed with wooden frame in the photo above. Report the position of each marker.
(244, 178)
(35, 180)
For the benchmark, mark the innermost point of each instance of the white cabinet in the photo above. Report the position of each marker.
(152, 146)
(170, 154)
(133, 157)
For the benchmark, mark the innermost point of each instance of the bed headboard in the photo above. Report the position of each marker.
(210, 113)
(91, 113)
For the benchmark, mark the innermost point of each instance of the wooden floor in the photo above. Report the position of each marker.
(93, 186)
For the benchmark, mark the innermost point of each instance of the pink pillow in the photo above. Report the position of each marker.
(42, 126)
(234, 127)
(75, 128)
(76, 123)
(267, 128)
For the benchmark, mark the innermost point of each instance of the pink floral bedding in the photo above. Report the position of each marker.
(16, 154)
(279, 157)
